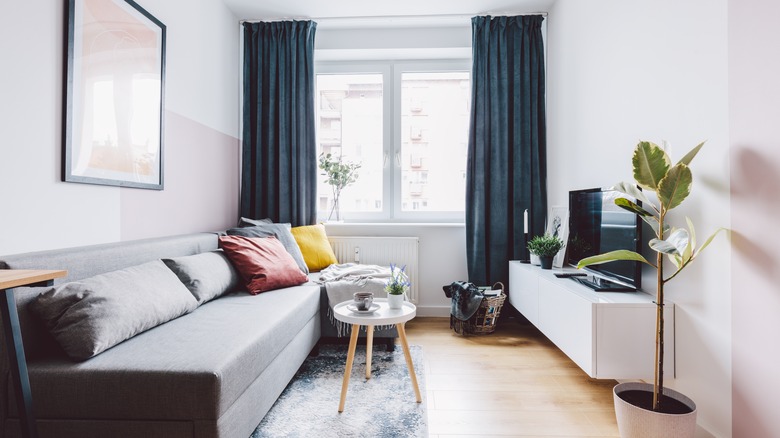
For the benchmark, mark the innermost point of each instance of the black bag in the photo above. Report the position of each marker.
(466, 298)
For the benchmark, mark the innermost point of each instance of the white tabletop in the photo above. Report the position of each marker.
(384, 316)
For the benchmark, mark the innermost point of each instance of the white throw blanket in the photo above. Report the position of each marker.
(342, 281)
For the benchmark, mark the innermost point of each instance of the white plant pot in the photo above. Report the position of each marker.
(535, 260)
(395, 301)
(637, 422)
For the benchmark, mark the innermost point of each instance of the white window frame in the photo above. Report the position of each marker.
(391, 72)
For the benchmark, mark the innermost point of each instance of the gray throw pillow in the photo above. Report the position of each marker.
(281, 232)
(207, 275)
(90, 316)
(246, 222)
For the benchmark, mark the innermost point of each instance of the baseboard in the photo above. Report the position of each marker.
(435, 311)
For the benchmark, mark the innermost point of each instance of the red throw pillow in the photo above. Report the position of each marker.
(263, 262)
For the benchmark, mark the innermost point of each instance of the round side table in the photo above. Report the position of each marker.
(383, 316)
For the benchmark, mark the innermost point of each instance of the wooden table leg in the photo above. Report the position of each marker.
(409, 364)
(348, 370)
(369, 346)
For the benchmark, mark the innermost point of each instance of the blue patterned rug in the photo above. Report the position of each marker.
(383, 406)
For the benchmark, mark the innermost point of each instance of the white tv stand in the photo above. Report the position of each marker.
(610, 335)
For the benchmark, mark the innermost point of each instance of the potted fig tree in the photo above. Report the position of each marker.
(642, 409)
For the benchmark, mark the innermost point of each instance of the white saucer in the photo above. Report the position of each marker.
(353, 308)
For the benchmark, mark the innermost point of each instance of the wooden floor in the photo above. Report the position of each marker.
(511, 383)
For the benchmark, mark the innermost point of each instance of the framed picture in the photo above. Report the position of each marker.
(114, 88)
(558, 225)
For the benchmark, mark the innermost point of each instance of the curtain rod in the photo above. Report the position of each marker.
(396, 17)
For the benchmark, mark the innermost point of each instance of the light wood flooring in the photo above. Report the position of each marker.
(511, 383)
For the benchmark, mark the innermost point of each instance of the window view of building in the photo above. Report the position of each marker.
(350, 126)
(424, 157)
(434, 136)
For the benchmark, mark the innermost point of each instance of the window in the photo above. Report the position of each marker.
(435, 113)
(349, 124)
(407, 125)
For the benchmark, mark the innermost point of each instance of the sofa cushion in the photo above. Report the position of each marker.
(89, 316)
(194, 367)
(263, 263)
(84, 262)
(315, 247)
(281, 232)
(207, 275)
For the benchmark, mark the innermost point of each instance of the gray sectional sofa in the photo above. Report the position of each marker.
(213, 372)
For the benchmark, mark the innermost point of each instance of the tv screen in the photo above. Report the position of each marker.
(596, 226)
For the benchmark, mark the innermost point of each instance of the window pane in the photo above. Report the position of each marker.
(349, 125)
(434, 136)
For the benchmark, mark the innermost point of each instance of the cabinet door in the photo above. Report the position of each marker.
(524, 291)
(567, 319)
(626, 341)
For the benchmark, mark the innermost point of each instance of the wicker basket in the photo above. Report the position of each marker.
(485, 320)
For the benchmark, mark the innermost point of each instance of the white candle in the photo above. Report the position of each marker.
(525, 221)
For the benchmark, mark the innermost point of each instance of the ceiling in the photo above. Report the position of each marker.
(388, 10)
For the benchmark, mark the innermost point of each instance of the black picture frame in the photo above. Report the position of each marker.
(113, 108)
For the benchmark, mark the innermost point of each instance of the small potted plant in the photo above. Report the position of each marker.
(545, 247)
(397, 286)
(339, 175)
(645, 409)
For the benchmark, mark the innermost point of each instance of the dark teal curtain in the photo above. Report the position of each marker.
(506, 171)
(279, 159)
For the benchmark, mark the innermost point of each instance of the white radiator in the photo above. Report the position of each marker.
(380, 251)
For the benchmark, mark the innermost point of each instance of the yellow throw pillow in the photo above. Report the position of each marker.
(315, 246)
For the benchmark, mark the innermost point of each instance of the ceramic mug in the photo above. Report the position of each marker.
(363, 300)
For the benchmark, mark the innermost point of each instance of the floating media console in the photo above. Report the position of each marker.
(601, 285)
(610, 335)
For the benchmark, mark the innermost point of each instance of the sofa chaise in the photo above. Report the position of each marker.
(213, 372)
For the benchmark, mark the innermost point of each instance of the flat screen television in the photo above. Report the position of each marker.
(597, 225)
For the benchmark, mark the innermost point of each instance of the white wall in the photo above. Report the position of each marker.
(754, 66)
(41, 212)
(202, 149)
(382, 43)
(623, 71)
(203, 68)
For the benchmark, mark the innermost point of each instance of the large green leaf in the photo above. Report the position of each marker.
(653, 222)
(676, 186)
(651, 164)
(679, 238)
(709, 239)
(675, 259)
(621, 254)
(697, 252)
(663, 246)
(675, 244)
(691, 231)
(688, 253)
(689, 156)
(632, 207)
(632, 190)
